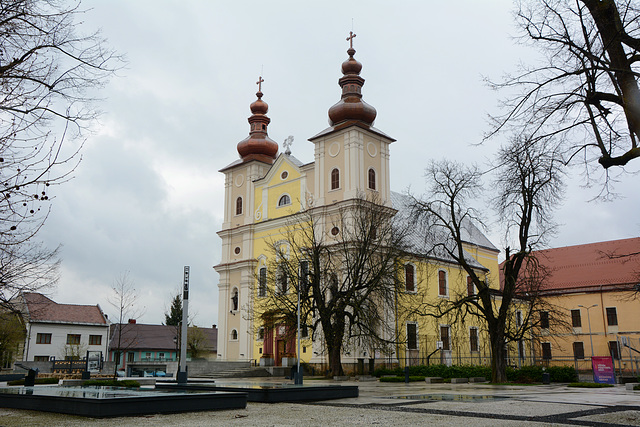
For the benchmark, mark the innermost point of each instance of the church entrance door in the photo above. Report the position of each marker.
(280, 347)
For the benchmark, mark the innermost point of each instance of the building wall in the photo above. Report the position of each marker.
(58, 343)
(562, 337)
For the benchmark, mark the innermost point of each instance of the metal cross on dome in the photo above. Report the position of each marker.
(259, 83)
(350, 39)
(287, 144)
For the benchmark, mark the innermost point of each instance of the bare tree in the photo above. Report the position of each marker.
(529, 186)
(26, 267)
(341, 262)
(48, 73)
(586, 93)
(125, 300)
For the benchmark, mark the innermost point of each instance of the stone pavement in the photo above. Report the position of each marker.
(400, 404)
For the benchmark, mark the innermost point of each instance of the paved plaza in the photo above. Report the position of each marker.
(399, 404)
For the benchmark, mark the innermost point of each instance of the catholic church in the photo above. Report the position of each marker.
(265, 189)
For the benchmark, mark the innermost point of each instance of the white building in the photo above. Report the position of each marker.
(62, 331)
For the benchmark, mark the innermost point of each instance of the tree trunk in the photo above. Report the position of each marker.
(498, 357)
(335, 362)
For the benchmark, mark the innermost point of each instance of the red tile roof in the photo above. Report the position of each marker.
(42, 309)
(139, 336)
(607, 264)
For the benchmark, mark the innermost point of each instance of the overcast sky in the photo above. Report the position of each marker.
(148, 198)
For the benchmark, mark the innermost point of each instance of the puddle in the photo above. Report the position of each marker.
(451, 397)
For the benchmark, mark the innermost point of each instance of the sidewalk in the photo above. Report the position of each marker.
(399, 404)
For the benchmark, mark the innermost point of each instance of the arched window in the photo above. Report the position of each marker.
(442, 283)
(239, 206)
(234, 335)
(234, 299)
(335, 179)
(372, 179)
(409, 278)
(284, 200)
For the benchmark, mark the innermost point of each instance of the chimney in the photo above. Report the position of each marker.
(132, 321)
(213, 327)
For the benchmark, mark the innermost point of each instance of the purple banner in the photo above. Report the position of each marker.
(603, 370)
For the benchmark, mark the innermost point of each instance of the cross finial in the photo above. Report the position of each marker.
(259, 83)
(350, 39)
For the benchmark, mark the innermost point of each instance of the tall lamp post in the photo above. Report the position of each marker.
(589, 320)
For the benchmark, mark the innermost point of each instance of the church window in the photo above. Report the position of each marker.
(237, 250)
(444, 337)
(284, 200)
(473, 339)
(335, 179)
(372, 179)
(335, 231)
(470, 289)
(234, 335)
(261, 334)
(262, 282)
(282, 280)
(239, 206)
(412, 336)
(442, 283)
(409, 278)
(234, 299)
(284, 175)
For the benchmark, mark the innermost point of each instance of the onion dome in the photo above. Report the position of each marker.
(258, 145)
(351, 106)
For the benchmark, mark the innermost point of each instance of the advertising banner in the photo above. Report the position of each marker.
(603, 371)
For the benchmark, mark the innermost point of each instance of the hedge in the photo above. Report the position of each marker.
(525, 374)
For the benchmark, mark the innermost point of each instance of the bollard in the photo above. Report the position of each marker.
(406, 375)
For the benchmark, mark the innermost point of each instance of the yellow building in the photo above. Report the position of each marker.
(594, 289)
(265, 192)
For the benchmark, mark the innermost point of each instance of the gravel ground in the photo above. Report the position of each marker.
(471, 405)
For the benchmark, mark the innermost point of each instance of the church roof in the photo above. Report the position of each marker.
(421, 245)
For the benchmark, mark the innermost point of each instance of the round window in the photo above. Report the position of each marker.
(237, 250)
(284, 175)
(335, 231)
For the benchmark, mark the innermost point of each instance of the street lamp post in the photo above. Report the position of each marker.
(589, 320)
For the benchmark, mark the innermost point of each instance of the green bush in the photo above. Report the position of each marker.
(412, 378)
(563, 374)
(524, 375)
(113, 383)
(444, 371)
(589, 385)
(38, 381)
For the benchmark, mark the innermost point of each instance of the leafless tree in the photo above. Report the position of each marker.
(48, 73)
(341, 261)
(26, 267)
(125, 300)
(585, 94)
(529, 186)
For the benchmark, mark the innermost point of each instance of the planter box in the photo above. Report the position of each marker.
(459, 380)
(434, 380)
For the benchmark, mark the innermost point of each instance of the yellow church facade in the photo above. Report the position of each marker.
(267, 191)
